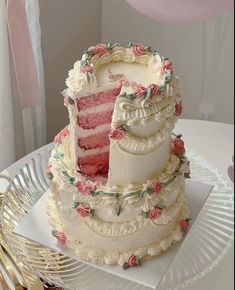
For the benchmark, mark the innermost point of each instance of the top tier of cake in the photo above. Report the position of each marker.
(123, 103)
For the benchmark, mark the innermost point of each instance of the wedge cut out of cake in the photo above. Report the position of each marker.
(117, 172)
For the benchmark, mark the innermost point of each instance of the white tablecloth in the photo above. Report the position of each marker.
(215, 142)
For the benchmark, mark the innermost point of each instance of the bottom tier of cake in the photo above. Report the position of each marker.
(103, 242)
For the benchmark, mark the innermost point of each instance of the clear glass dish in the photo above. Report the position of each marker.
(206, 244)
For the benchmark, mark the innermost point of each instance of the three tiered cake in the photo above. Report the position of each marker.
(117, 171)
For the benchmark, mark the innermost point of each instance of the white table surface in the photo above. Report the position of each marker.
(215, 142)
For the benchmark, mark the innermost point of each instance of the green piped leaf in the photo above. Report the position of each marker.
(109, 45)
(123, 95)
(148, 48)
(83, 62)
(58, 155)
(144, 214)
(50, 175)
(72, 180)
(126, 127)
(168, 77)
(148, 93)
(54, 232)
(125, 266)
(130, 44)
(63, 93)
(71, 101)
(89, 53)
(162, 88)
(75, 204)
(95, 193)
(131, 96)
(92, 211)
(149, 190)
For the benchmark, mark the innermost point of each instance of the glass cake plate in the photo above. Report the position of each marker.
(207, 242)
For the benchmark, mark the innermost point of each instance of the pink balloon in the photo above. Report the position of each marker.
(181, 11)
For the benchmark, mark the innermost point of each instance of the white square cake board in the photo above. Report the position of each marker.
(36, 228)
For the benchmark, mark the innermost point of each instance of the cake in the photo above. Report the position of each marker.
(117, 172)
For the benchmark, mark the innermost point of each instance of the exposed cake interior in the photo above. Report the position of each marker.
(95, 113)
(95, 122)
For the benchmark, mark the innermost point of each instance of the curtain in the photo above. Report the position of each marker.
(22, 116)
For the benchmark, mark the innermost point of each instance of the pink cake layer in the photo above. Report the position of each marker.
(108, 96)
(95, 164)
(94, 141)
(91, 121)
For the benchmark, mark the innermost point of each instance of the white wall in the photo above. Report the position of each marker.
(183, 44)
(68, 28)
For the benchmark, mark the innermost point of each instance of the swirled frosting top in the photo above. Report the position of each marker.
(139, 70)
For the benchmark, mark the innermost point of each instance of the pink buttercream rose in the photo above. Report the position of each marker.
(83, 210)
(138, 49)
(58, 138)
(140, 91)
(155, 213)
(132, 261)
(86, 69)
(178, 109)
(99, 49)
(155, 90)
(178, 146)
(167, 65)
(60, 236)
(117, 133)
(156, 187)
(184, 224)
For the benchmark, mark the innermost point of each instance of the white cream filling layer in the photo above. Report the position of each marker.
(84, 153)
(82, 133)
(97, 109)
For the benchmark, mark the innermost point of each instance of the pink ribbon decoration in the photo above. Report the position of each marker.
(22, 54)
